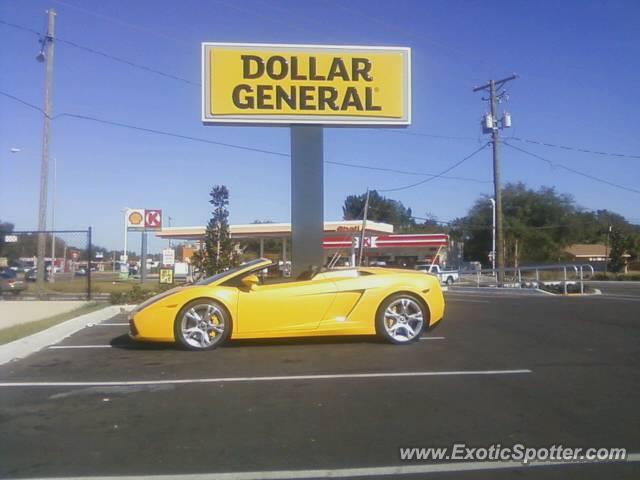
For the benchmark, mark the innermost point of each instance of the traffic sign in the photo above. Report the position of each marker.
(10, 238)
(168, 256)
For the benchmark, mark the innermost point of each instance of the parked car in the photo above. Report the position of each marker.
(31, 275)
(9, 282)
(395, 304)
(447, 277)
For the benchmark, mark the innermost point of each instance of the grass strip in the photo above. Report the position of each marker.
(15, 332)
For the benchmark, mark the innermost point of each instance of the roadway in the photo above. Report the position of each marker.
(537, 370)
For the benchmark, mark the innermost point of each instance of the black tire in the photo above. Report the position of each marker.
(382, 330)
(449, 281)
(197, 341)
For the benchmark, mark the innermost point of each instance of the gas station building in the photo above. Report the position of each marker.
(340, 242)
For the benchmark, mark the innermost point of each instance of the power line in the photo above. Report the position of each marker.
(362, 15)
(407, 172)
(575, 149)
(288, 24)
(105, 55)
(120, 22)
(229, 145)
(447, 170)
(24, 102)
(282, 154)
(21, 27)
(572, 170)
(459, 223)
(126, 62)
(187, 81)
(428, 135)
(170, 134)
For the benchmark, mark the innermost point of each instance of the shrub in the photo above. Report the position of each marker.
(137, 294)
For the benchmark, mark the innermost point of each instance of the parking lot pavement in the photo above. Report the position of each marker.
(532, 370)
(623, 290)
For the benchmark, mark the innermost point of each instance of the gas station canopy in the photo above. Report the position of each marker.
(275, 230)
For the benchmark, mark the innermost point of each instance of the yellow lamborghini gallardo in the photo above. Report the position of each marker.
(397, 305)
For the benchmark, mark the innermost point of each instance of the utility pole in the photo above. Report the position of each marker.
(493, 237)
(46, 54)
(490, 124)
(364, 228)
(52, 273)
(606, 253)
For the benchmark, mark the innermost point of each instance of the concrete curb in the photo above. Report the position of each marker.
(495, 291)
(26, 346)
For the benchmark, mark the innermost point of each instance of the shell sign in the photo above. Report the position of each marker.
(314, 84)
(135, 219)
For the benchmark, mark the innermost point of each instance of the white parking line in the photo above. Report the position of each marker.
(268, 379)
(465, 300)
(612, 296)
(64, 347)
(361, 472)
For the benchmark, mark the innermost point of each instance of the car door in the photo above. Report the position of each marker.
(283, 307)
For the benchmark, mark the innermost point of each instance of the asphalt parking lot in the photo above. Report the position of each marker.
(537, 370)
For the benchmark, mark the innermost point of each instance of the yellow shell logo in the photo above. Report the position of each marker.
(135, 218)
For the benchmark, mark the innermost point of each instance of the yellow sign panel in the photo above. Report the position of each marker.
(306, 84)
(166, 276)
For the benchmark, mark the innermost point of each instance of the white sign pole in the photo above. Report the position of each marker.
(124, 254)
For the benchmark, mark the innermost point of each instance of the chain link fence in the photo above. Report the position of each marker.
(67, 264)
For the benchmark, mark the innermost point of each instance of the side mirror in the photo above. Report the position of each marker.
(250, 281)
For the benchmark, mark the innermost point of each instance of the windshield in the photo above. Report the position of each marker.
(229, 273)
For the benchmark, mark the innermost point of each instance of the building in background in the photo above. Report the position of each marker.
(595, 254)
(382, 246)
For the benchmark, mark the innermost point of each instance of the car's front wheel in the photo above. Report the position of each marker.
(202, 324)
(400, 319)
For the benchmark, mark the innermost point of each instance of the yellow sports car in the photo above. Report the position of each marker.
(397, 305)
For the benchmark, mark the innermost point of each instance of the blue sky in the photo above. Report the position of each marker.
(578, 61)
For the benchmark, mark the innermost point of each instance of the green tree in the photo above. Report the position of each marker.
(543, 222)
(540, 221)
(219, 252)
(381, 209)
(618, 246)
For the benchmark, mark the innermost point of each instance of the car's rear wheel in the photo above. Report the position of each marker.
(449, 280)
(400, 319)
(202, 324)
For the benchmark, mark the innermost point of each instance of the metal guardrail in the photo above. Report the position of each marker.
(568, 273)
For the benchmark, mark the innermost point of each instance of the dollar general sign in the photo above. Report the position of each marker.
(306, 84)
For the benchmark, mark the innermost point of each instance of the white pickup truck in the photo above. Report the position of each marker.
(446, 277)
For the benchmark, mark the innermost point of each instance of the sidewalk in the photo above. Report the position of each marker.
(27, 345)
(16, 312)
